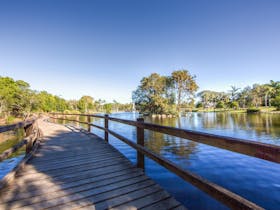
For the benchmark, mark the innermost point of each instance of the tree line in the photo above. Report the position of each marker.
(158, 94)
(254, 96)
(17, 99)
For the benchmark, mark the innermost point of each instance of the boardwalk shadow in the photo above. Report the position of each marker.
(73, 169)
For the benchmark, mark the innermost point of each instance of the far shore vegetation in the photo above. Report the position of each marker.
(156, 95)
(177, 93)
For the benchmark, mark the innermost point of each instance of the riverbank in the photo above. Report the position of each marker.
(271, 110)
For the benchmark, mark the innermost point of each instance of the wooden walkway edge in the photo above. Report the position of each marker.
(74, 170)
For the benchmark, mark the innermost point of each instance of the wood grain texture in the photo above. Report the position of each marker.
(73, 170)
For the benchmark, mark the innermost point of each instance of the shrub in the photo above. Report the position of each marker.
(199, 105)
(276, 102)
(233, 105)
(220, 105)
(253, 110)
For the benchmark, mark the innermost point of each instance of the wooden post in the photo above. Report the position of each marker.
(63, 117)
(140, 141)
(77, 119)
(88, 120)
(106, 127)
(28, 132)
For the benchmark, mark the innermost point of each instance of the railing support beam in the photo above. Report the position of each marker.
(28, 132)
(140, 141)
(88, 121)
(106, 126)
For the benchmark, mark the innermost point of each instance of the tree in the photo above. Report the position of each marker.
(267, 91)
(108, 108)
(85, 104)
(210, 99)
(152, 95)
(184, 85)
(244, 98)
(276, 102)
(233, 93)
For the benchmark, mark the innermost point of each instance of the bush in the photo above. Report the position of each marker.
(233, 105)
(276, 102)
(253, 110)
(220, 105)
(199, 105)
(10, 119)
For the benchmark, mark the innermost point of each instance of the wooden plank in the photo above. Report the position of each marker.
(62, 159)
(56, 156)
(37, 177)
(167, 203)
(74, 164)
(63, 164)
(127, 200)
(91, 201)
(59, 173)
(35, 180)
(29, 197)
(84, 191)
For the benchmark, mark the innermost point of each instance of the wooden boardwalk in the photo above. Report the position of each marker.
(75, 170)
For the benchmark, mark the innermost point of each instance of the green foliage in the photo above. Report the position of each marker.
(253, 110)
(184, 85)
(85, 104)
(209, 99)
(255, 96)
(158, 94)
(108, 108)
(233, 105)
(276, 102)
(220, 105)
(150, 96)
(10, 119)
(199, 105)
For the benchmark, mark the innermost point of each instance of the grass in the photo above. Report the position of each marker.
(262, 109)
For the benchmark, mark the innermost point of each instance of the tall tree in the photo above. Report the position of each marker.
(184, 85)
(233, 93)
(85, 104)
(151, 95)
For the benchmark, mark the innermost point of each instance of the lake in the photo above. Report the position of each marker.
(254, 179)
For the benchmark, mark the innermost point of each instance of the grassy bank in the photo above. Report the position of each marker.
(241, 110)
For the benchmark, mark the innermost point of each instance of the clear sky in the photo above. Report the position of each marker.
(103, 48)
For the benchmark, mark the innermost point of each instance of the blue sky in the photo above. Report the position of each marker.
(103, 48)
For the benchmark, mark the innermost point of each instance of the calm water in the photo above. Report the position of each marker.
(7, 140)
(257, 180)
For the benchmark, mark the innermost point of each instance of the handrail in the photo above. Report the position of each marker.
(31, 132)
(23, 124)
(255, 149)
(252, 148)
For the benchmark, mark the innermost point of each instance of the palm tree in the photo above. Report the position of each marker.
(233, 92)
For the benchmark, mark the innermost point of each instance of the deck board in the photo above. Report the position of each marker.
(74, 170)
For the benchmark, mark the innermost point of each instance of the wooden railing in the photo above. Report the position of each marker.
(251, 148)
(31, 134)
